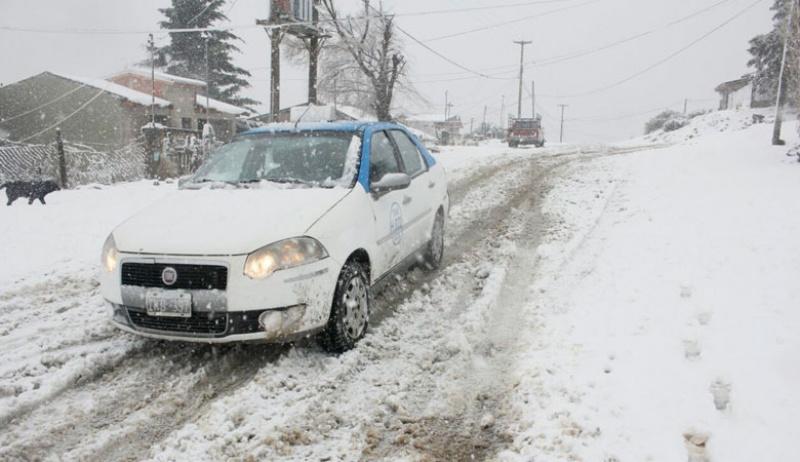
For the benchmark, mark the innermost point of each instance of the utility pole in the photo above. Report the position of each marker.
(471, 125)
(521, 44)
(685, 105)
(208, 82)
(152, 45)
(275, 36)
(314, 48)
(62, 160)
(779, 99)
(533, 99)
(503, 112)
(561, 137)
(483, 125)
(446, 105)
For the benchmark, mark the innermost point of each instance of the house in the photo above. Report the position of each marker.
(107, 114)
(92, 112)
(191, 109)
(435, 125)
(742, 93)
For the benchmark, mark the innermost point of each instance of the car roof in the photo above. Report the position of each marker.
(289, 127)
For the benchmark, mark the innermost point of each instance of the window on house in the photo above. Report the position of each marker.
(186, 123)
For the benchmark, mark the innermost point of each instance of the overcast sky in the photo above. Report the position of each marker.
(556, 27)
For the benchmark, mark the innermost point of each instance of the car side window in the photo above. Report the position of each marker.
(412, 159)
(382, 158)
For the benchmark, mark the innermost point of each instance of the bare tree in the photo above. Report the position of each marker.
(374, 52)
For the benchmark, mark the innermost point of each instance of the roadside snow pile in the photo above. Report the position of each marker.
(712, 122)
(65, 236)
(665, 324)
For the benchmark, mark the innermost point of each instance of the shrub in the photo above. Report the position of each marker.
(658, 122)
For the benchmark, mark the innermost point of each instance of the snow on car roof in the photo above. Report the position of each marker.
(115, 89)
(346, 126)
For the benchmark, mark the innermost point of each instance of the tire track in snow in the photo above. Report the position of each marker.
(127, 406)
(129, 380)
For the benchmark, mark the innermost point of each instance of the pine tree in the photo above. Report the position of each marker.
(185, 56)
(767, 53)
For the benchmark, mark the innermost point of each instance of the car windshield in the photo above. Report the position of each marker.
(317, 159)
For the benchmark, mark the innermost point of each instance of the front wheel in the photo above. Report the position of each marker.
(349, 316)
(434, 251)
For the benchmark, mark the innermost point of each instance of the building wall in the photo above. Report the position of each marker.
(108, 121)
(741, 99)
(181, 95)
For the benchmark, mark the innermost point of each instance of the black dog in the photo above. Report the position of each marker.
(31, 189)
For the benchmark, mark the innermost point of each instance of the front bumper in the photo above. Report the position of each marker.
(242, 326)
(291, 303)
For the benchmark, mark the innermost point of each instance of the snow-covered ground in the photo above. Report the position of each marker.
(621, 303)
(664, 316)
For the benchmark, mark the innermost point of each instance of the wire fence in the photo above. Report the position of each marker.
(29, 162)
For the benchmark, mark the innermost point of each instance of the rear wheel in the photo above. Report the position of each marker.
(349, 316)
(434, 251)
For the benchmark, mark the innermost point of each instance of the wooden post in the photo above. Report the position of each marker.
(275, 36)
(314, 48)
(62, 160)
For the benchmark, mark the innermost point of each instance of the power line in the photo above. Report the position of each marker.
(574, 55)
(667, 58)
(59, 98)
(82, 107)
(80, 31)
(513, 21)
(579, 54)
(480, 8)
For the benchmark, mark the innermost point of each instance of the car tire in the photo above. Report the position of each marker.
(350, 310)
(434, 251)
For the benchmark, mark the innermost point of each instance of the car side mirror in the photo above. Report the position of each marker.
(391, 182)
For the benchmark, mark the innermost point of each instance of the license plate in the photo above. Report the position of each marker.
(169, 303)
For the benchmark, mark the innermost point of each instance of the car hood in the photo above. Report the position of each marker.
(224, 221)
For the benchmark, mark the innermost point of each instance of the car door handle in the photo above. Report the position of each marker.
(431, 184)
(406, 200)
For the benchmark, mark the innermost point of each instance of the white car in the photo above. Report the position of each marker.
(281, 234)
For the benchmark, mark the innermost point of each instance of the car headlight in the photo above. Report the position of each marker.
(281, 255)
(110, 256)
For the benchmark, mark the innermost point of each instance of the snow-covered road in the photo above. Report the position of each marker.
(578, 316)
(75, 388)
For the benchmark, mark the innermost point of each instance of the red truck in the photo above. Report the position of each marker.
(526, 131)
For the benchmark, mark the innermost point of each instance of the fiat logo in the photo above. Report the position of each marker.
(169, 276)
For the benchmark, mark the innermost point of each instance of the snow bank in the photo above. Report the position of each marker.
(665, 323)
(65, 236)
(710, 123)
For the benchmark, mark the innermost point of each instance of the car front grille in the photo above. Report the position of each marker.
(198, 277)
(199, 323)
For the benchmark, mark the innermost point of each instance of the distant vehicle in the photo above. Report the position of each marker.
(282, 233)
(526, 132)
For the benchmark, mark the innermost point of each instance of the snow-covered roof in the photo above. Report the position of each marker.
(220, 106)
(163, 76)
(117, 90)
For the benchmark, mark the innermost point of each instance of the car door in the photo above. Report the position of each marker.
(388, 208)
(418, 203)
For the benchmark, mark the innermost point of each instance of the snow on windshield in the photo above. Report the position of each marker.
(317, 159)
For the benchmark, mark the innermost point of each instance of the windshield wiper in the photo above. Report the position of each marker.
(282, 180)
